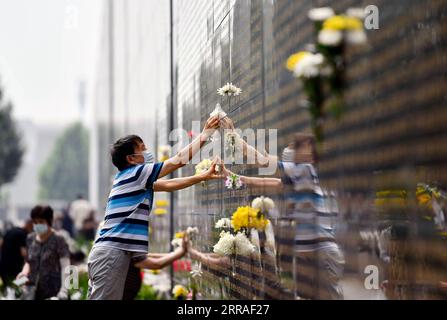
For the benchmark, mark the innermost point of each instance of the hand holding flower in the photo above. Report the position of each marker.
(213, 171)
(211, 125)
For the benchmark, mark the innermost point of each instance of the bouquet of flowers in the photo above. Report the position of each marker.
(321, 68)
(229, 244)
(334, 29)
(247, 217)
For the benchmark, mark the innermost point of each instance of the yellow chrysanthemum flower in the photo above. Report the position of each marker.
(240, 218)
(353, 23)
(294, 59)
(247, 217)
(179, 291)
(160, 211)
(180, 235)
(161, 203)
(388, 193)
(260, 223)
(334, 23)
(340, 23)
(392, 202)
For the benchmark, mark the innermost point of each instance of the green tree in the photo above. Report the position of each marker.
(65, 174)
(11, 149)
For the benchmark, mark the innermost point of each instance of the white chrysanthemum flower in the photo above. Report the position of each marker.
(243, 246)
(223, 90)
(264, 204)
(196, 270)
(229, 90)
(235, 90)
(218, 112)
(356, 13)
(321, 14)
(330, 38)
(203, 166)
(356, 37)
(76, 296)
(192, 230)
(309, 66)
(177, 242)
(225, 245)
(223, 223)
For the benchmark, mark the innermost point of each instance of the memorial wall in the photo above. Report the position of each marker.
(382, 163)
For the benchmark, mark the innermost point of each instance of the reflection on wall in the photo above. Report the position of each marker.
(391, 137)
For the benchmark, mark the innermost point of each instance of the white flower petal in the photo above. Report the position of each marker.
(356, 37)
(331, 38)
(321, 14)
(356, 13)
(243, 246)
(225, 245)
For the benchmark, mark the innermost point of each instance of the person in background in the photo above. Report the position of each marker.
(80, 210)
(76, 254)
(67, 223)
(47, 257)
(89, 226)
(13, 252)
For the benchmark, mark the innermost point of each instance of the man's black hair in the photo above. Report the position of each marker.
(122, 148)
(43, 212)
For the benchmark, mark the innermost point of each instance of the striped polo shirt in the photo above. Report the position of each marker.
(312, 209)
(126, 221)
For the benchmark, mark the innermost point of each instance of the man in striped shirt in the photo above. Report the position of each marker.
(123, 237)
(319, 260)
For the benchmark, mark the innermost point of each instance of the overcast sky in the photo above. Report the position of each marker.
(46, 48)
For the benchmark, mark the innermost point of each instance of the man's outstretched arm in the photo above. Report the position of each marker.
(161, 260)
(185, 182)
(275, 184)
(261, 159)
(188, 152)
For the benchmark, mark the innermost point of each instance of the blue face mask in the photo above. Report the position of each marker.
(40, 228)
(148, 157)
